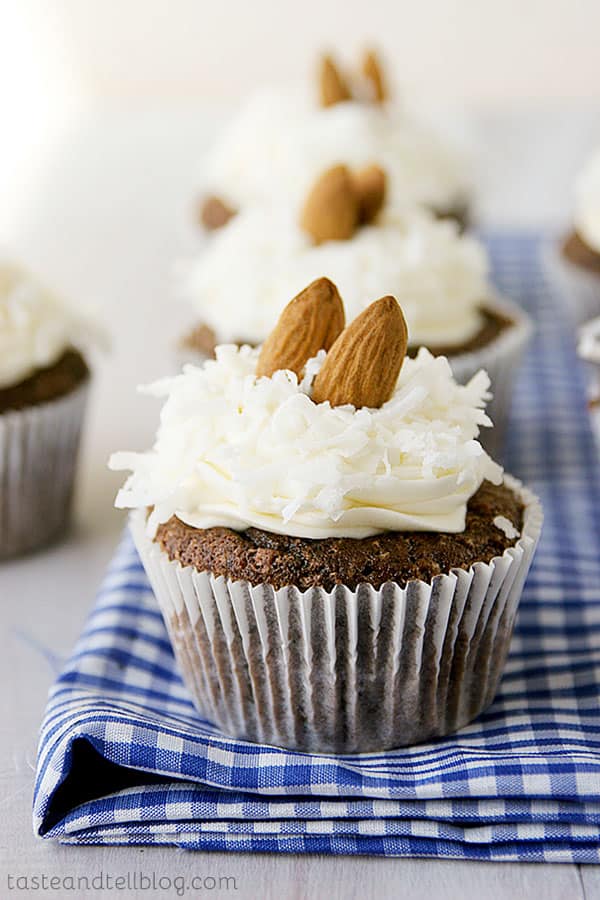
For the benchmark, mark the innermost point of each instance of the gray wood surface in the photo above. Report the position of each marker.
(103, 218)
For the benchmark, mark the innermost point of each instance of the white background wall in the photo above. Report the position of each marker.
(64, 61)
(486, 51)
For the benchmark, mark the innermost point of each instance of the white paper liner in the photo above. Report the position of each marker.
(579, 288)
(343, 671)
(38, 455)
(501, 359)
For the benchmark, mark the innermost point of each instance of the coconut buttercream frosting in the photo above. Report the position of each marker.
(242, 281)
(237, 450)
(36, 327)
(282, 139)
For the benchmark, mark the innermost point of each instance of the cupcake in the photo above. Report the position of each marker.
(588, 350)
(577, 264)
(282, 140)
(337, 559)
(44, 380)
(347, 229)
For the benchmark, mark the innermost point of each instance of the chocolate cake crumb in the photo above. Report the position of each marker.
(46, 384)
(260, 557)
(201, 339)
(214, 213)
(459, 212)
(577, 251)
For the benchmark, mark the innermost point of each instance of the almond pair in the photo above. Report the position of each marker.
(363, 360)
(334, 88)
(341, 201)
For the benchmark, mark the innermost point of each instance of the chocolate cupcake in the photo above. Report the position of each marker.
(347, 229)
(282, 139)
(44, 382)
(337, 559)
(576, 261)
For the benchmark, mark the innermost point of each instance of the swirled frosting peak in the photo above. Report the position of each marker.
(235, 450)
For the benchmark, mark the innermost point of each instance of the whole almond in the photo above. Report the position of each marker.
(373, 72)
(309, 323)
(332, 86)
(363, 365)
(370, 184)
(214, 213)
(332, 207)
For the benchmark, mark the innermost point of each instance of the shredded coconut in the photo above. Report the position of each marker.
(237, 451)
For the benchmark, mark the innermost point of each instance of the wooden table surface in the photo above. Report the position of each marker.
(102, 215)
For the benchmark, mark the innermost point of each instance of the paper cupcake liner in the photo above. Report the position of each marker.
(501, 359)
(342, 671)
(579, 288)
(38, 454)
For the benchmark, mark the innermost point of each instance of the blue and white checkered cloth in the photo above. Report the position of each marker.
(124, 759)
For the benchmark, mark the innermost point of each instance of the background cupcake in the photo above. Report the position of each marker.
(281, 141)
(44, 381)
(577, 261)
(588, 349)
(337, 559)
(347, 229)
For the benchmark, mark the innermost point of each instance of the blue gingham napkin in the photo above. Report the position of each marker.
(124, 759)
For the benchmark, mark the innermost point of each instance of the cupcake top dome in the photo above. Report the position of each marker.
(587, 203)
(241, 282)
(324, 432)
(36, 328)
(281, 140)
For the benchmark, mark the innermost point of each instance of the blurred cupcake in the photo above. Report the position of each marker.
(577, 263)
(44, 381)
(282, 140)
(337, 559)
(588, 348)
(346, 228)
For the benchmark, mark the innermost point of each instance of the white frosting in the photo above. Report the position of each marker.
(236, 451)
(506, 527)
(587, 203)
(35, 327)
(588, 346)
(281, 142)
(253, 267)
